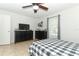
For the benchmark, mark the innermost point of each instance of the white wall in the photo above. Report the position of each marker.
(69, 24)
(16, 19)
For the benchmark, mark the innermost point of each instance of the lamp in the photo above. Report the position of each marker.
(35, 7)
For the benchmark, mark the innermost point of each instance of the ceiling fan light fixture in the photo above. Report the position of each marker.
(35, 7)
(35, 11)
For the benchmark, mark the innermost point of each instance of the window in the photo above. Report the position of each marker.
(54, 27)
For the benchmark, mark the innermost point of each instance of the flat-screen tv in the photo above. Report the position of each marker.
(24, 26)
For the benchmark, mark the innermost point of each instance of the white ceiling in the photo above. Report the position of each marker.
(17, 8)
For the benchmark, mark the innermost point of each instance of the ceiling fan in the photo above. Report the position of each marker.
(36, 6)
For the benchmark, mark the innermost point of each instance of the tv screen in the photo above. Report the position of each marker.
(24, 26)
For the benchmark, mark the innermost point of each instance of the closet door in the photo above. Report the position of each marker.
(4, 29)
(53, 27)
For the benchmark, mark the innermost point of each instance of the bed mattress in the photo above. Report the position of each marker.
(54, 47)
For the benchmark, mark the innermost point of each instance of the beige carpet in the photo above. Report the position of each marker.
(18, 49)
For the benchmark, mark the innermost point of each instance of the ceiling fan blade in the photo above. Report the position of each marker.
(36, 3)
(43, 7)
(27, 6)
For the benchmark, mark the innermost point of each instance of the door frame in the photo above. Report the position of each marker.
(58, 26)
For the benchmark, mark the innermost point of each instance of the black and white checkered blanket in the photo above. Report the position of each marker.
(54, 47)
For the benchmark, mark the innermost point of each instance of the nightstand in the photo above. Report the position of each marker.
(41, 35)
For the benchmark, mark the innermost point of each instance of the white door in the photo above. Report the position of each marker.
(4, 29)
(53, 27)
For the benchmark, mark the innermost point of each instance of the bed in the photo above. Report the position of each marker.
(54, 47)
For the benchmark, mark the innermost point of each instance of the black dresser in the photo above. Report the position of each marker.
(23, 35)
(41, 35)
